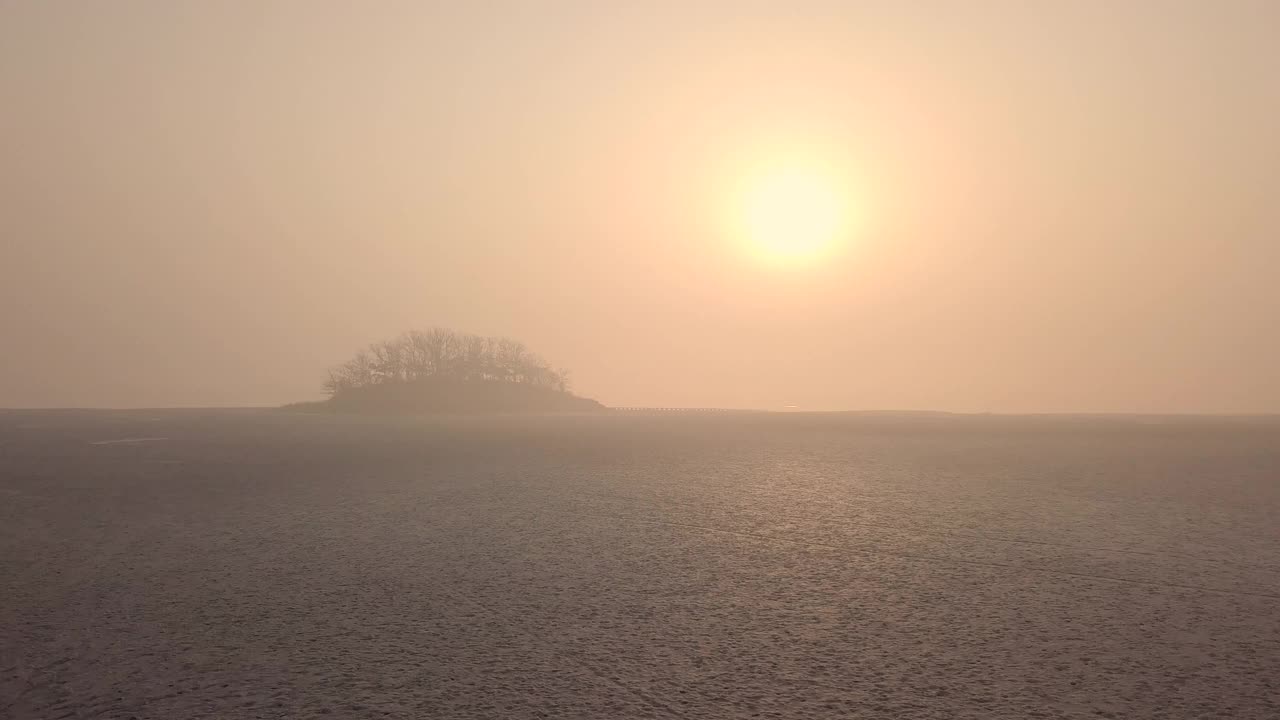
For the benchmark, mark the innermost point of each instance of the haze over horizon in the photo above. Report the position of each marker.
(1020, 207)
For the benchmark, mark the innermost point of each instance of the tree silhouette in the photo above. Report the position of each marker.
(444, 354)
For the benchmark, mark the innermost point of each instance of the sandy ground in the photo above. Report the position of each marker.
(242, 564)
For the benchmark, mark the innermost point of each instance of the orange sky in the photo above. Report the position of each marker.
(1060, 206)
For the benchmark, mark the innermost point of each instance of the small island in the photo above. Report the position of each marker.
(444, 371)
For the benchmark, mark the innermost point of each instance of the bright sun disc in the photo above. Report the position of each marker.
(792, 215)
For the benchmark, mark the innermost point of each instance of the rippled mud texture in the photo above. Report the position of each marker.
(228, 564)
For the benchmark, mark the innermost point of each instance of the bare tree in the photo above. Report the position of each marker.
(356, 372)
(439, 352)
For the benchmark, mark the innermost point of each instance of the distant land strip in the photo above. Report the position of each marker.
(683, 410)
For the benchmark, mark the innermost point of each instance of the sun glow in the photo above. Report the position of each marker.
(791, 214)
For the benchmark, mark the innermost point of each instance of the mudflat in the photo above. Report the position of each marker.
(261, 564)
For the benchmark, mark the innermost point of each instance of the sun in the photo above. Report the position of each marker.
(791, 214)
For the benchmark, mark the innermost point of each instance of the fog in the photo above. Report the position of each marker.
(1060, 207)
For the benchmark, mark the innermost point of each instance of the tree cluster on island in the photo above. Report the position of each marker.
(441, 369)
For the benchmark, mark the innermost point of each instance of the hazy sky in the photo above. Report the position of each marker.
(1061, 206)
